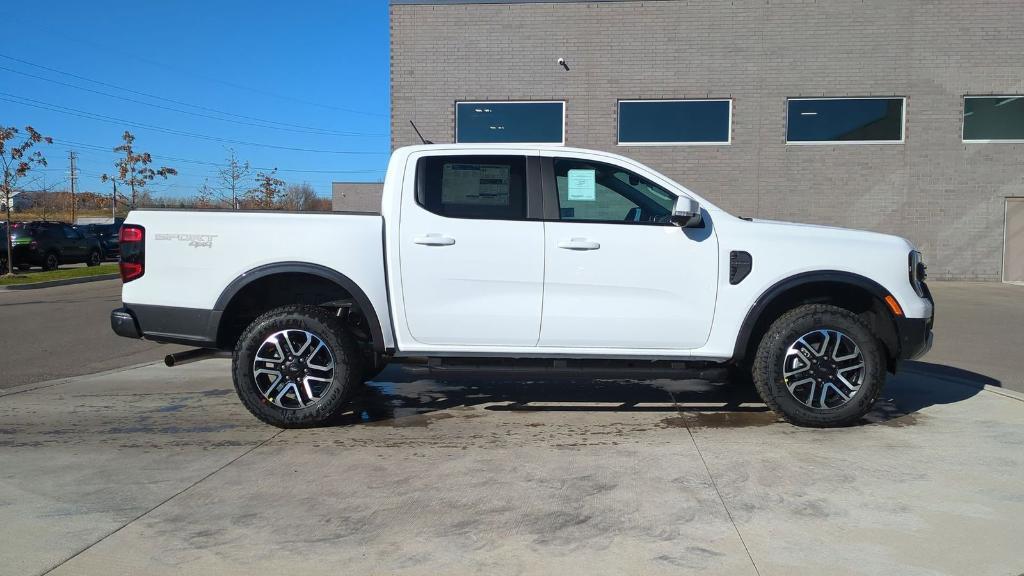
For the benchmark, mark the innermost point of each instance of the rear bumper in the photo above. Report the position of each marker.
(170, 324)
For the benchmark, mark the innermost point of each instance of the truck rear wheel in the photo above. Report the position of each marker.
(295, 366)
(819, 366)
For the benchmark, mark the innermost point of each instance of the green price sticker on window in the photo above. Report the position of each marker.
(582, 185)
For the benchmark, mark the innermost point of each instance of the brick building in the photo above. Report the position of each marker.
(891, 115)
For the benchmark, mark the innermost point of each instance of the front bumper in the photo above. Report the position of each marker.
(916, 333)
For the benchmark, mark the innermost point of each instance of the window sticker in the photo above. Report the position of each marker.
(582, 185)
(476, 184)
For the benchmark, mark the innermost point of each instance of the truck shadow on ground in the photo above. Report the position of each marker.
(401, 392)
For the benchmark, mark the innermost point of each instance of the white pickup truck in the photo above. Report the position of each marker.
(525, 255)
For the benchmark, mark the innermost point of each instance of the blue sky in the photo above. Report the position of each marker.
(198, 74)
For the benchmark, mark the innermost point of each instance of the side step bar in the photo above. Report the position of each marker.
(194, 355)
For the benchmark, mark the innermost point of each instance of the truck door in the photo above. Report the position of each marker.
(472, 263)
(618, 273)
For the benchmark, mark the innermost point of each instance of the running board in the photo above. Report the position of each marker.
(194, 355)
(699, 370)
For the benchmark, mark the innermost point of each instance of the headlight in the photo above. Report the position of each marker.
(917, 271)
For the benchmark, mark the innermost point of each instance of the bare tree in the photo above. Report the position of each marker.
(232, 179)
(204, 196)
(133, 169)
(17, 161)
(300, 197)
(267, 191)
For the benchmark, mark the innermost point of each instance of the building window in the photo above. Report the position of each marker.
(491, 187)
(993, 119)
(510, 122)
(674, 122)
(845, 121)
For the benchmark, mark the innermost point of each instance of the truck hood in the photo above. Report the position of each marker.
(831, 234)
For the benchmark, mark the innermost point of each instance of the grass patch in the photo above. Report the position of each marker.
(59, 274)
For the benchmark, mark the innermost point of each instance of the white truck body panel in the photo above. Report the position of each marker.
(506, 288)
(193, 256)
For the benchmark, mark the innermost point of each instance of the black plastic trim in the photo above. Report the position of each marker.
(123, 323)
(766, 298)
(307, 268)
(740, 265)
(170, 324)
(534, 191)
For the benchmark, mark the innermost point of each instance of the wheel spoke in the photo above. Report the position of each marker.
(823, 369)
(282, 369)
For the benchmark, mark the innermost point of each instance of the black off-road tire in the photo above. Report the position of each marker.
(767, 371)
(95, 258)
(347, 361)
(51, 261)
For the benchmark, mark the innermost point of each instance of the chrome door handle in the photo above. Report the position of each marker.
(579, 244)
(434, 240)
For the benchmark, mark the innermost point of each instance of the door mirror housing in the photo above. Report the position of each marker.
(686, 213)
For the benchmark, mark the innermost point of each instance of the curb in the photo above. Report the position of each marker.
(65, 282)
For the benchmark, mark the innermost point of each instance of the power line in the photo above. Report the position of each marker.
(114, 120)
(297, 128)
(338, 108)
(98, 148)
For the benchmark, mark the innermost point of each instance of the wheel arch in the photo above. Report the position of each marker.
(238, 286)
(854, 292)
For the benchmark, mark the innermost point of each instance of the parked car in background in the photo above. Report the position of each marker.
(106, 234)
(50, 244)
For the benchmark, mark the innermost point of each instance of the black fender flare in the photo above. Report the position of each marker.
(768, 296)
(365, 306)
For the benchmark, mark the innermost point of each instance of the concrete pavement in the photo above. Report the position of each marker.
(161, 471)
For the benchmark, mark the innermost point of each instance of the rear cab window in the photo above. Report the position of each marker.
(486, 187)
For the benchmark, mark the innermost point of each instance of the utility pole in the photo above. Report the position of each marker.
(74, 181)
(113, 204)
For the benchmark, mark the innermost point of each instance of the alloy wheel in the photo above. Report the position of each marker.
(293, 369)
(823, 369)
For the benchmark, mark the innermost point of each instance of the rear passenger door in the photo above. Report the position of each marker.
(472, 255)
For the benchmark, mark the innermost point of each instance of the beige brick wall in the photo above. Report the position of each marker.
(944, 195)
(356, 196)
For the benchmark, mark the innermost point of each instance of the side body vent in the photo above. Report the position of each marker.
(740, 264)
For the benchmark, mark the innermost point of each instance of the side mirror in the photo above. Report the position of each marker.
(686, 213)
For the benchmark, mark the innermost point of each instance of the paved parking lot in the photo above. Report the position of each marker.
(161, 471)
(153, 470)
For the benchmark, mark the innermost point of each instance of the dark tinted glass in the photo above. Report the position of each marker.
(492, 187)
(845, 120)
(532, 122)
(994, 118)
(597, 192)
(697, 121)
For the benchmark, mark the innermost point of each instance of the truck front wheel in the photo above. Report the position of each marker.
(295, 366)
(819, 366)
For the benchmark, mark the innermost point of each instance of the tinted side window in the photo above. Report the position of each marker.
(596, 192)
(70, 233)
(491, 187)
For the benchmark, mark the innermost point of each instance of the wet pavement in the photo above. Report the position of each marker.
(161, 471)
